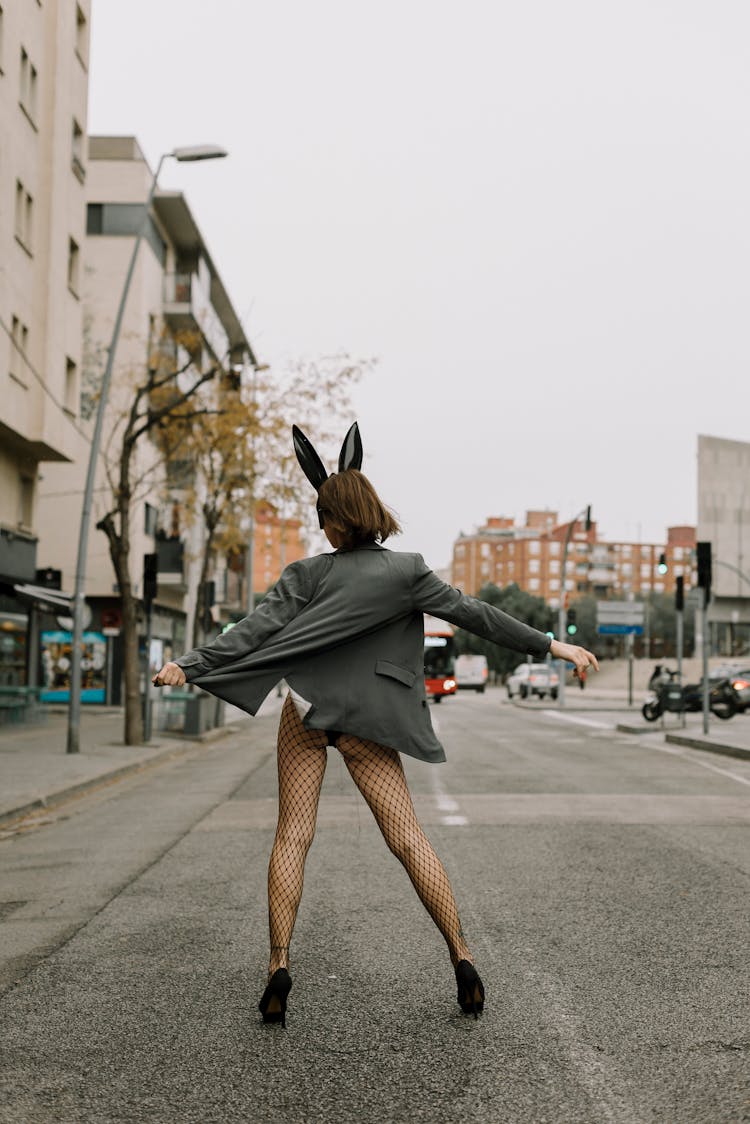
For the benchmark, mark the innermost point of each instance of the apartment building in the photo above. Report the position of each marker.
(276, 541)
(43, 103)
(176, 295)
(502, 552)
(724, 521)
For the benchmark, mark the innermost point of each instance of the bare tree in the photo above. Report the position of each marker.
(242, 454)
(168, 389)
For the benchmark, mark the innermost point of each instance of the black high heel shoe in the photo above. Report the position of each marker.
(272, 1005)
(470, 989)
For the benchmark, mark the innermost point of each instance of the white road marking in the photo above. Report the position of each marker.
(577, 719)
(448, 807)
(661, 748)
(703, 764)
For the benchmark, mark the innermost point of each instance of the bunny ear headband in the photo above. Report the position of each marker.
(313, 467)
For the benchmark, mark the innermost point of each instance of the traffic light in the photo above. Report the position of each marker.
(679, 593)
(49, 578)
(703, 558)
(662, 567)
(150, 578)
(570, 623)
(209, 597)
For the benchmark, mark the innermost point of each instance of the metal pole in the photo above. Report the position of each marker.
(250, 563)
(704, 647)
(631, 644)
(680, 642)
(74, 709)
(561, 633)
(147, 695)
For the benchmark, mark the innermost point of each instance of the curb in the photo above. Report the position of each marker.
(710, 747)
(59, 795)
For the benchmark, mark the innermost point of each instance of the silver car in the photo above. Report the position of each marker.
(530, 679)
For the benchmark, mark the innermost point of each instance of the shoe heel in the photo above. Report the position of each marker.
(272, 1005)
(470, 989)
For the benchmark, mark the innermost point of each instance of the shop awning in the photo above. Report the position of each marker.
(54, 600)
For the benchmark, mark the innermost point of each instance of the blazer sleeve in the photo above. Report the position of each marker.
(431, 595)
(281, 604)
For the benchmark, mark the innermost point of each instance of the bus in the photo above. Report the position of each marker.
(439, 659)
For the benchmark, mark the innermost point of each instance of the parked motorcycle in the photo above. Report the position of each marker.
(667, 694)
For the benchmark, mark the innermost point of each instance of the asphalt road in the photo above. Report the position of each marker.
(602, 881)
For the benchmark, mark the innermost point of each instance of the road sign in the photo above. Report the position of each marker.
(620, 629)
(620, 612)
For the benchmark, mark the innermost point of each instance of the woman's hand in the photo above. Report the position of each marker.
(581, 658)
(171, 675)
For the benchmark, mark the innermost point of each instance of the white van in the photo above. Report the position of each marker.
(471, 673)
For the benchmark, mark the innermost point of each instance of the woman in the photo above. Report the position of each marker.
(346, 632)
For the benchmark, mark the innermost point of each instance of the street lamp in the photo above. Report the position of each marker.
(184, 155)
(562, 631)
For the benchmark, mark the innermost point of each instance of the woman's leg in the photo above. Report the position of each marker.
(302, 758)
(378, 774)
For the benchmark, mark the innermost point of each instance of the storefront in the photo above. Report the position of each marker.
(56, 648)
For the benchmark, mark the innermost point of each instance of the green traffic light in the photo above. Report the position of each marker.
(572, 629)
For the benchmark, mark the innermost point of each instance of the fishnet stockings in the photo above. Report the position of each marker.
(378, 774)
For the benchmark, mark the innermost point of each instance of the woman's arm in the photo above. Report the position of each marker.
(431, 595)
(280, 605)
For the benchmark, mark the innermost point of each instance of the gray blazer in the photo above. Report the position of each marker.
(346, 631)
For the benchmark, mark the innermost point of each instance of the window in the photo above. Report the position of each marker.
(554, 583)
(150, 519)
(626, 551)
(26, 501)
(484, 550)
(19, 335)
(533, 583)
(23, 216)
(71, 386)
(82, 36)
(77, 151)
(28, 90)
(554, 566)
(74, 259)
(124, 219)
(534, 546)
(646, 570)
(677, 553)
(554, 548)
(534, 566)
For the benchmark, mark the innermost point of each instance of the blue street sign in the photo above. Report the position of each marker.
(620, 629)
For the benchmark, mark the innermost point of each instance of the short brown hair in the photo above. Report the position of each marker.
(351, 506)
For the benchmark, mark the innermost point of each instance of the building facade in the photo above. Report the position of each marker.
(532, 555)
(43, 105)
(179, 313)
(724, 521)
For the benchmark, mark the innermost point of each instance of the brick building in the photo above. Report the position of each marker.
(531, 555)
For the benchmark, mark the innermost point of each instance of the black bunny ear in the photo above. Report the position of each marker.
(310, 462)
(351, 451)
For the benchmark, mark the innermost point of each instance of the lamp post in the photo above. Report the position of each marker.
(561, 630)
(184, 155)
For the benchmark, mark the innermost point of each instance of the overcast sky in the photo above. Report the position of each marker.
(534, 214)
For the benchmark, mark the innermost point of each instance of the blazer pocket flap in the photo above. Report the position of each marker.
(393, 671)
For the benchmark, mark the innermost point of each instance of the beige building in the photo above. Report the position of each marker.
(177, 309)
(531, 555)
(43, 101)
(724, 521)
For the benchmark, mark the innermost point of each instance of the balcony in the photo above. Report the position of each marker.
(601, 576)
(170, 553)
(188, 309)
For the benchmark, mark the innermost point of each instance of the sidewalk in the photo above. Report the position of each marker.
(36, 772)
